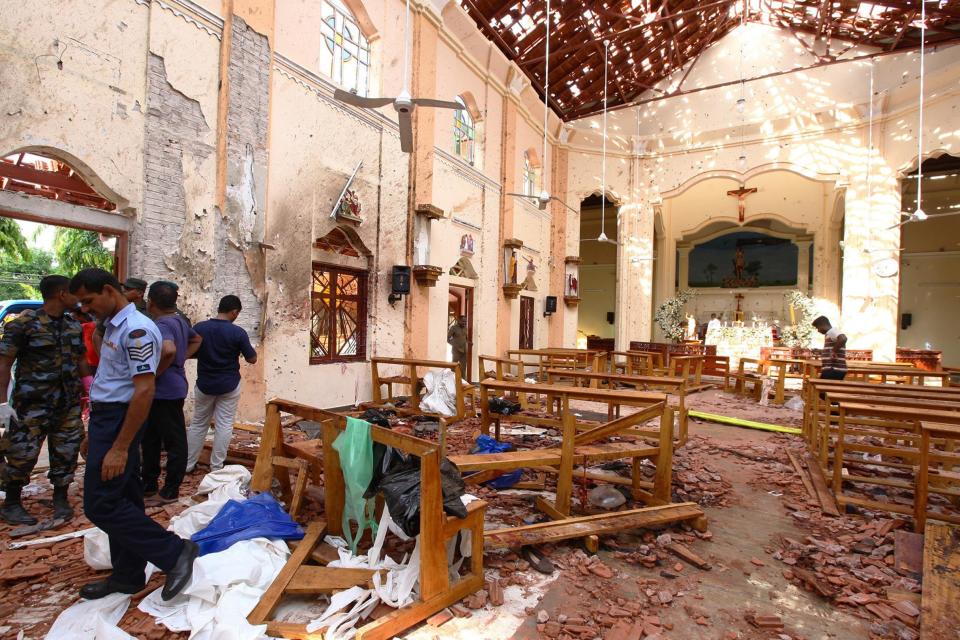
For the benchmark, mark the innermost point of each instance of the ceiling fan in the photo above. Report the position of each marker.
(544, 198)
(603, 170)
(404, 104)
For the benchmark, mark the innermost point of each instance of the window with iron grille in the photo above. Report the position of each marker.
(338, 314)
(464, 132)
(344, 52)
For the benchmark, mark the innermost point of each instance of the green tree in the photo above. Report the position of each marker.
(76, 249)
(19, 278)
(12, 242)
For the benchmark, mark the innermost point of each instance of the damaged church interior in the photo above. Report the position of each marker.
(499, 319)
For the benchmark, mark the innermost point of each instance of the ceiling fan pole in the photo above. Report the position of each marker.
(603, 166)
(406, 49)
(546, 103)
(923, 37)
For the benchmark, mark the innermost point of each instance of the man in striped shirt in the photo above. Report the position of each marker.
(833, 358)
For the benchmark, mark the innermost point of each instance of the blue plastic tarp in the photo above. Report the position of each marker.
(260, 516)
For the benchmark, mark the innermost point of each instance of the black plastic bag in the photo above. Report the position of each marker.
(401, 490)
(377, 417)
(503, 406)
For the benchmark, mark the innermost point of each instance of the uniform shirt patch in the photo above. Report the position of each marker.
(137, 333)
(143, 367)
(140, 352)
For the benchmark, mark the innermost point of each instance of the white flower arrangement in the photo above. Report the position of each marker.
(799, 335)
(669, 315)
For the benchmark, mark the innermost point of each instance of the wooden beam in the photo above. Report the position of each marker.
(601, 524)
(941, 580)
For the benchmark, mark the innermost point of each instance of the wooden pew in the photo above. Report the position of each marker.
(945, 475)
(299, 578)
(899, 429)
(743, 378)
(635, 363)
(584, 446)
(411, 380)
(673, 386)
(814, 403)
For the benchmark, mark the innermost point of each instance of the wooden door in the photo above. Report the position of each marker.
(461, 304)
(526, 322)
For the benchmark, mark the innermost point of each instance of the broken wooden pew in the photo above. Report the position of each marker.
(298, 577)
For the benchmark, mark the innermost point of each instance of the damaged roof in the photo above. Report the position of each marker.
(652, 39)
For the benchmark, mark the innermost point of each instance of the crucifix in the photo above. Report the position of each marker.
(741, 195)
(738, 314)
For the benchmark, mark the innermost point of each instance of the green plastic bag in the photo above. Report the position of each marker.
(355, 447)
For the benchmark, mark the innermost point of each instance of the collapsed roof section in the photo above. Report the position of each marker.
(652, 39)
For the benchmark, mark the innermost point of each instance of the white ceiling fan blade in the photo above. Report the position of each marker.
(406, 132)
(438, 104)
(360, 101)
(564, 204)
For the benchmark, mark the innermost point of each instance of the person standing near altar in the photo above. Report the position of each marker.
(714, 322)
(833, 358)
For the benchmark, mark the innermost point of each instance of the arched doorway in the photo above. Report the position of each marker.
(929, 300)
(596, 319)
(67, 222)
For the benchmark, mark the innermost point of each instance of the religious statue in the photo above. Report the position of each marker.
(571, 285)
(513, 268)
(739, 264)
(691, 332)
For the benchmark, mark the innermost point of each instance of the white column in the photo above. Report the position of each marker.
(803, 263)
(869, 311)
(683, 264)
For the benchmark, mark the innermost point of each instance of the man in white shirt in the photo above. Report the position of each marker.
(714, 322)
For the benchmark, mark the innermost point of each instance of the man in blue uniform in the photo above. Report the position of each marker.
(120, 401)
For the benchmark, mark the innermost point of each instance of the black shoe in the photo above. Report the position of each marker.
(61, 504)
(14, 513)
(179, 576)
(102, 588)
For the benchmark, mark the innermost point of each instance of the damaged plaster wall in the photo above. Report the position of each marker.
(175, 134)
(72, 83)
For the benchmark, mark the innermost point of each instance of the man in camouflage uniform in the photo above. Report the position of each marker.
(52, 372)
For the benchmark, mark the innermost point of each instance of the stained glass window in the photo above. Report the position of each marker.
(338, 320)
(344, 51)
(464, 132)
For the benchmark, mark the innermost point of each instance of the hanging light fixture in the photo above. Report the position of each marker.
(603, 168)
(919, 215)
(742, 104)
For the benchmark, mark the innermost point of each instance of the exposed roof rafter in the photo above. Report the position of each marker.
(653, 39)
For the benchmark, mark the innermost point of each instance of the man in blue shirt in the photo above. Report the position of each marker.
(120, 400)
(165, 428)
(218, 381)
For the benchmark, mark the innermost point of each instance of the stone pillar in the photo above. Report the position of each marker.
(558, 246)
(870, 302)
(683, 264)
(424, 62)
(803, 263)
(634, 263)
(505, 306)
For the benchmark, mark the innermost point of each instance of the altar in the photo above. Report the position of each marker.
(740, 341)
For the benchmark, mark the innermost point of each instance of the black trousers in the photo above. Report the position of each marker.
(116, 506)
(832, 374)
(164, 430)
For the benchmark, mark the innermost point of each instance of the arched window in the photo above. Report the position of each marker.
(344, 52)
(464, 132)
(529, 174)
